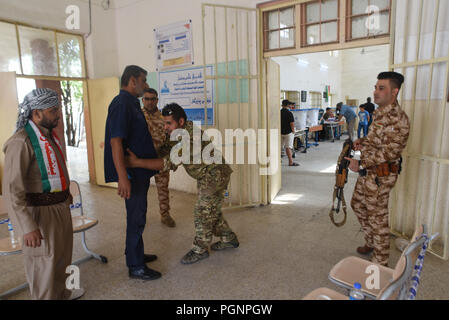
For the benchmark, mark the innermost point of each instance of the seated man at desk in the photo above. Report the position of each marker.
(288, 131)
(328, 115)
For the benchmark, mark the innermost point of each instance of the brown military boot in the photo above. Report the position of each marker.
(168, 221)
(364, 250)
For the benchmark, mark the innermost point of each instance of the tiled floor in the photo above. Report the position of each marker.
(286, 249)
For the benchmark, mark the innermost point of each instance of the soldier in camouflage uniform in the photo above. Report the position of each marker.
(379, 166)
(212, 180)
(157, 131)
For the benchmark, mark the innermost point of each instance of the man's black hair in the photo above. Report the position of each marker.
(396, 79)
(327, 109)
(339, 105)
(150, 90)
(131, 71)
(174, 110)
(368, 99)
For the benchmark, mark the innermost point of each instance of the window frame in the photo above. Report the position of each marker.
(350, 17)
(305, 25)
(55, 32)
(267, 30)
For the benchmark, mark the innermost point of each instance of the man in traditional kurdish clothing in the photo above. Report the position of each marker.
(212, 180)
(36, 188)
(379, 166)
(159, 136)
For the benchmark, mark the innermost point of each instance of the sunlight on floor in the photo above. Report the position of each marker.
(330, 169)
(286, 198)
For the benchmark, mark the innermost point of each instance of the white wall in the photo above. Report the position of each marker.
(297, 76)
(360, 70)
(351, 73)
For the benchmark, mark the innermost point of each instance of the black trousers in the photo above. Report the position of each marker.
(136, 216)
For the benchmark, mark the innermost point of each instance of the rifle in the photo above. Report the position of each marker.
(341, 177)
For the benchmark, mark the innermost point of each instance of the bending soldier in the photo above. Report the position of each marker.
(212, 180)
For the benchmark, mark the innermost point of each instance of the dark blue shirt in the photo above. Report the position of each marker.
(126, 120)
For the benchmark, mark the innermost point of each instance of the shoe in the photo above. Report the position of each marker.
(220, 245)
(192, 257)
(149, 258)
(76, 294)
(364, 250)
(168, 221)
(294, 164)
(144, 274)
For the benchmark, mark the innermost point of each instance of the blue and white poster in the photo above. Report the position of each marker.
(186, 88)
(173, 45)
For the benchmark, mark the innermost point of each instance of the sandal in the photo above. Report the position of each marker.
(294, 164)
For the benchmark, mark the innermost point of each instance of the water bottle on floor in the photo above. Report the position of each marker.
(356, 292)
(14, 240)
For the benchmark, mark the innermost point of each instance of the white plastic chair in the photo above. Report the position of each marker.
(81, 223)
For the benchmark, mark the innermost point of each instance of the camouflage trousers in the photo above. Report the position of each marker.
(207, 215)
(162, 180)
(370, 204)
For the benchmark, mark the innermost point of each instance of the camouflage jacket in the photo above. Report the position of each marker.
(198, 170)
(156, 127)
(387, 136)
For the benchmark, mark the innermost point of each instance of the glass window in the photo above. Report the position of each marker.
(287, 38)
(38, 51)
(313, 34)
(368, 18)
(313, 12)
(9, 58)
(359, 6)
(273, 20)
(329, 10)
(279, 29)
(320, 22)
(329, 32)
(70, 52)
(286, 18)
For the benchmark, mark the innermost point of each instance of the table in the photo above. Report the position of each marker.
(333, 125)
(315, 129)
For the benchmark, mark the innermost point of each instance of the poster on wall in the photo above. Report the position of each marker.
(173, 45)
(186, 88)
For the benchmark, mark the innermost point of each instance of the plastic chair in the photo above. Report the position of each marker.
(353, 269)
(6, 248)
(402, 285)
(81, 223)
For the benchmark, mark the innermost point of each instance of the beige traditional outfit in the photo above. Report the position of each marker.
(36, 189)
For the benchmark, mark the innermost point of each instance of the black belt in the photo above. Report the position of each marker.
(46, 198)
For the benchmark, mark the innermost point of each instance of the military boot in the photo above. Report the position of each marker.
(220, 245)
(365, 249)
(168, 221)
(192, 257)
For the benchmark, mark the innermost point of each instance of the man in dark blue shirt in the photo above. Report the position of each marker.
(126, 127)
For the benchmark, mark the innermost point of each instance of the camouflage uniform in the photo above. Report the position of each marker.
(157, 131)
(384, 143)
(212, 181)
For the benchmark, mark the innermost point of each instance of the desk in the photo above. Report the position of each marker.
(315, 129)
(333, 125)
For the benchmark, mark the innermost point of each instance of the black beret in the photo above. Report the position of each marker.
(391, 75)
